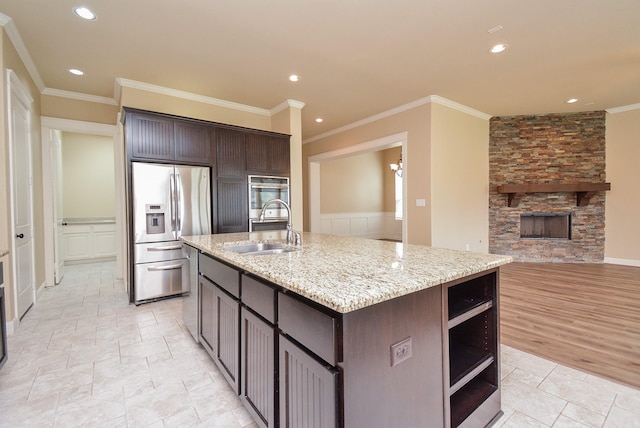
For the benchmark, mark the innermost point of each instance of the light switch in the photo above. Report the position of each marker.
(421, 202)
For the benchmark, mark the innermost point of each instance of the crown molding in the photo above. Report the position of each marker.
(285, 105)
(21, 49)
(396, 110)
(127, 83)
(460, 107)
(79, 96)
(622, 109)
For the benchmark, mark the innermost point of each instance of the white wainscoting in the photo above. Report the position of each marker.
(375, 225)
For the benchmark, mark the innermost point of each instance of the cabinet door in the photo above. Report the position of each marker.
(192, 142)
(207, 314)
(227, 330)
(257, 368)
(308, 390)
(230, 153)
(268, 155)
(233, 210)
(150, 137)
(280, 156)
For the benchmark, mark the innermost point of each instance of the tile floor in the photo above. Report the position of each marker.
(84, 357)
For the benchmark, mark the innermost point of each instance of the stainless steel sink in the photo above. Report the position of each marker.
(260, 248)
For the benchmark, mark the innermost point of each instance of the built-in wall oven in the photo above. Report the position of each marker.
(261, 190)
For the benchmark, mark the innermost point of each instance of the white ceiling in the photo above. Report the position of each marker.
(356, 58)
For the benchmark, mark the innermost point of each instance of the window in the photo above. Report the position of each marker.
(398, 192)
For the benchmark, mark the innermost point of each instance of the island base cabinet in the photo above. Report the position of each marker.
(227, 346)
(207, 297)
(308, 389)
(257, 368)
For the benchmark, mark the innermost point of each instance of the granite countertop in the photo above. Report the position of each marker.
(346, 274)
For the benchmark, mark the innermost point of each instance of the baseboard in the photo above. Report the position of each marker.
(626, 262)
(11, 326)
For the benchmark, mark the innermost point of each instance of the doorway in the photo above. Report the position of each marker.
(315, 216)
(50, 128)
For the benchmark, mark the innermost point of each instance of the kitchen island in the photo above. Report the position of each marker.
(353, 332)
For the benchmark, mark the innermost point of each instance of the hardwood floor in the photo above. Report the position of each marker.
(585, 316)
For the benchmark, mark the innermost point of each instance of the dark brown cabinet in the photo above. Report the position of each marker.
(230, 153)
(207, 294)
(267, 155)
(149, 137)
(308, 389)
(257, 364)
(232, 206)
(220, 316)
(192, 143)
(227, 330)
(257, 351)
(157, 137)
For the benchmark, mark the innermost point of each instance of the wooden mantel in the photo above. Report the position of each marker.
(584, 191)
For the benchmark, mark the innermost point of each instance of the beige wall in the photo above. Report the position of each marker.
(88, 176)
(459, 180)
(9, 59)
(354, 184)
(622, 232)
(161, 103)
(416, 122)
(66, 108)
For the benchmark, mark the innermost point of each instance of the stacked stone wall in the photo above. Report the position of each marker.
(554, 148)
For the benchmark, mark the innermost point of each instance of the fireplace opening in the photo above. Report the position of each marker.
(545, 226)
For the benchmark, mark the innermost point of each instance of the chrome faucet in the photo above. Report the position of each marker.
(293, 237)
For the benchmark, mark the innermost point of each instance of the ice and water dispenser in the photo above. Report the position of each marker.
(155, 218)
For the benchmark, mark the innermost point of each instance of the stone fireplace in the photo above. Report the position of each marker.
(555, 149)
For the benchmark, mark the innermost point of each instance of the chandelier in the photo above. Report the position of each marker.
(397, 167)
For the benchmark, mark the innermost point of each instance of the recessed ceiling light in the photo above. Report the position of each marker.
(319, 119)
(294, 78)
(572, 100)
(76, 71)
(501, 47)
(84, 13)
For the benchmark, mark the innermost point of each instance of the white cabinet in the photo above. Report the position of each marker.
(89, 241)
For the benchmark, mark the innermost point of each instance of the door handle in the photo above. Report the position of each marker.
(20, 236)
(159, 268)
(172, 248)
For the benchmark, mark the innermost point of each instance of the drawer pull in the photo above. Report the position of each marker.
(172, 267)
(175, 247)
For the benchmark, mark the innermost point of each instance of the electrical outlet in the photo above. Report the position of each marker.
(400, 351)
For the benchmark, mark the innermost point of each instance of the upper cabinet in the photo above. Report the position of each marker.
(193, 142)
(267, 154)
(230, 153)
(154, 137)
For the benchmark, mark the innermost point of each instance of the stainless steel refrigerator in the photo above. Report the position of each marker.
(168, 201)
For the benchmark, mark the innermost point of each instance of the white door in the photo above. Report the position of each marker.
(56, 188)
(20, 143)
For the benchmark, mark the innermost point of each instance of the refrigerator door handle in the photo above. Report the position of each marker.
(172, 190)
(171, 267)
(179, 206)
